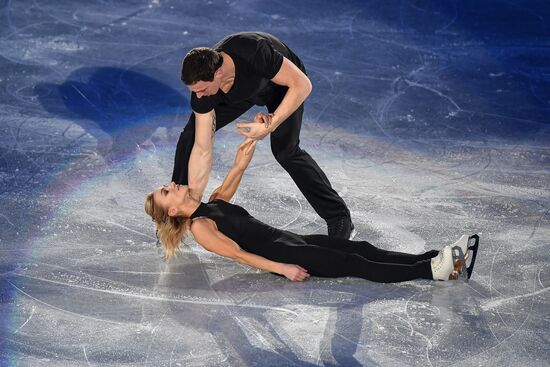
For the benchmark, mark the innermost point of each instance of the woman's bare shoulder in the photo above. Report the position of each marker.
(202, 224)
(203, 230)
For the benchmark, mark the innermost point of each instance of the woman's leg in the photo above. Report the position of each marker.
(332, 263)
(368, 251)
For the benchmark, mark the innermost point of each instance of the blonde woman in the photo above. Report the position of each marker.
(229, 230)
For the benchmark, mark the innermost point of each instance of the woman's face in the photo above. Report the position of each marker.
(170, 197)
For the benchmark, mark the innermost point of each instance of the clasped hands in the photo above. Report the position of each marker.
(258, 128)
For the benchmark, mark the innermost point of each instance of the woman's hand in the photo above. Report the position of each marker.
(258, 128)
(294, 272)
(244, 153)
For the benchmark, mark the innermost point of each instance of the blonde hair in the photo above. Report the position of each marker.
(170, 230)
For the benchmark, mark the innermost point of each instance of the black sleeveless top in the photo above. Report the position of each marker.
(248, 232)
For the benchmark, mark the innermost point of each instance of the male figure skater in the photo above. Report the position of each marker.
(238, 72)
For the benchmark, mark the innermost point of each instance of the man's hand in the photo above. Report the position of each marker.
(258, 128)
(244, 153)
(263, 118)
(294, 272)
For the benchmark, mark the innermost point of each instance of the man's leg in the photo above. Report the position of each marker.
(224, 115)
(308, 176)
(183, 152)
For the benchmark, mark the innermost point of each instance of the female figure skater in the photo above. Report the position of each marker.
(229, 230)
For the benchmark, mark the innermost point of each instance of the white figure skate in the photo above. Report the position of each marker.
(464, 251)
(452, 262)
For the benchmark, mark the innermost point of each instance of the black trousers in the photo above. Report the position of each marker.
(285, 141)
(335, 257)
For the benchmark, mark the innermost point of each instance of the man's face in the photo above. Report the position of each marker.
(202, 88)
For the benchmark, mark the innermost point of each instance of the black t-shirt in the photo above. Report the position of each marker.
(258, 58)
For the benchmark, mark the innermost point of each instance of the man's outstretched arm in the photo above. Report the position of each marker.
(200, 161)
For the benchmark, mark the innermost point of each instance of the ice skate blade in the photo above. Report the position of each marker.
(352, 234)
(459, 258)
(473, 247)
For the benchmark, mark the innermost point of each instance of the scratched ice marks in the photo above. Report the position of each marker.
(430, 118)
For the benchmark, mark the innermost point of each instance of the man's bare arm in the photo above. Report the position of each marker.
(200, 161)
(299, 88)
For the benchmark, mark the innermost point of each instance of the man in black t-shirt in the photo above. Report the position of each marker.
(238, 72)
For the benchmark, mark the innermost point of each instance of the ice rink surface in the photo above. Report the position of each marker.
(431, 119)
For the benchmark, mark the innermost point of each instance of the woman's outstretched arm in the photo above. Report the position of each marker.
(233, 178)
(211, 239)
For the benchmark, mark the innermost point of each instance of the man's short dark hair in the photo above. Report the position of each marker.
(200, 64)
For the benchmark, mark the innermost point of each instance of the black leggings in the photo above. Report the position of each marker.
(330, 257)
